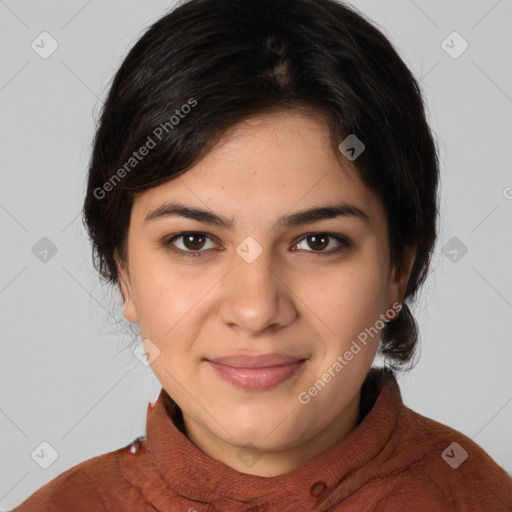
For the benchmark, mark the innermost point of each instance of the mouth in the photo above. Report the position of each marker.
(257, 372)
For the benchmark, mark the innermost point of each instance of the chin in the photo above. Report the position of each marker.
(266, 434)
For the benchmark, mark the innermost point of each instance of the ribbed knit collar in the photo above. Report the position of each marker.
(171, 464)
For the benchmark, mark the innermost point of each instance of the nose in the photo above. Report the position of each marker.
(255, 297)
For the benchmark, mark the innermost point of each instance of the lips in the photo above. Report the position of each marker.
(256, 361)
(257, 372)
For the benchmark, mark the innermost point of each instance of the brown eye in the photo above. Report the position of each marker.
(319, 241)
(194, 241)
(191, 243)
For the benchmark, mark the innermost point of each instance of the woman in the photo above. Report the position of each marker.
(263, 190)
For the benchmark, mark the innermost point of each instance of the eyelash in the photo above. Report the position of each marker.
(345, 243)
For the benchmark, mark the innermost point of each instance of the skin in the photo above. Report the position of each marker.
(292, 299)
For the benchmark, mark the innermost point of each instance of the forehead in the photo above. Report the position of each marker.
(265, 166)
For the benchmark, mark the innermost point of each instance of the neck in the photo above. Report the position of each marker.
(278, 462)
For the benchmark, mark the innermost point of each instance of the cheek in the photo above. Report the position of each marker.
(348, 298)
(164, 299)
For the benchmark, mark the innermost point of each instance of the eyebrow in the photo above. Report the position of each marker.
(328, 211)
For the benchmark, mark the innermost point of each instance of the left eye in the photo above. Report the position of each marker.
(321, 241)
(193, 243)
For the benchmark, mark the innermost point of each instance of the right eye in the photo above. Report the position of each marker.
(191, 242)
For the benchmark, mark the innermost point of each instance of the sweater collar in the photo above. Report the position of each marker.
(172, 464)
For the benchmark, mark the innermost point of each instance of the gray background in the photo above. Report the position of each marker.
(66, 375)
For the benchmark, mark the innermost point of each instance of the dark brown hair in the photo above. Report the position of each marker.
(210, 64)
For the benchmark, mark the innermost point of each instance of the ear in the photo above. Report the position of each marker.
(399, 276)
(125, 286)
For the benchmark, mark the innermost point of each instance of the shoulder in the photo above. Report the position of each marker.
(94, 484)
(445, 463)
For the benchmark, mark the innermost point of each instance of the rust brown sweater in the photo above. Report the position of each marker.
(395, 460)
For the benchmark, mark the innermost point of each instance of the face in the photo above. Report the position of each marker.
(262, 329)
